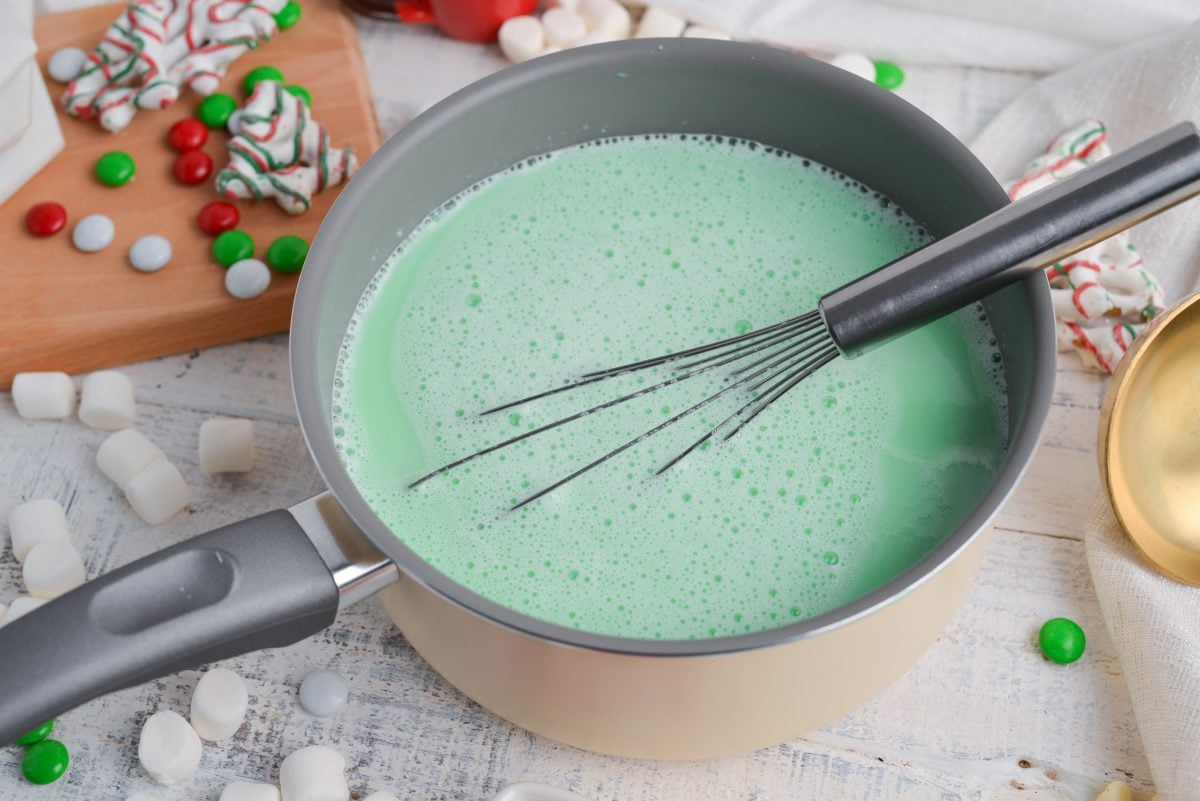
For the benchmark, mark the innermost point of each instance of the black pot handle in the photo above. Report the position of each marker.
(265, 582)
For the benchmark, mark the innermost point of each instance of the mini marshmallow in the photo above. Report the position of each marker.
(20, 607)
(607, 17)
(169, 748)
(219, 704)
(379, 795)
(249, 791)
(658, 22)
(106, 401)
(158, 492)
(521, 38)
(53, 568)
(856, 63)
(125, 454)
(563, 27)
(226, 445)
(34, 522)
(701, 32)
(315, 773)
(43, 396)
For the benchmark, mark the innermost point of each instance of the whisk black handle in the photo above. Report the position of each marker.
(1030, 234)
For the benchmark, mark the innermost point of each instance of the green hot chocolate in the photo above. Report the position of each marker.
(603, 253)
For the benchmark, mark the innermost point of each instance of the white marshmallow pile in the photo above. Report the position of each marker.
(169, 748)
(153, 486)
(43, 396)
(315, 773)
(575, 23)
(226, 445)
(41, 542)
(219, 704)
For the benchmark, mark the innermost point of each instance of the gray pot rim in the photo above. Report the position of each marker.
(321, 263)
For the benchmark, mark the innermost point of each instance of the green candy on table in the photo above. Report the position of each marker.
(888, 74)
(214, 110)
(232, 246)
(288, 16)
(1062, 640)
(287, 254)
(263, 73)
(45, 762)
(36, 735)
(300, 92)
(115, 168)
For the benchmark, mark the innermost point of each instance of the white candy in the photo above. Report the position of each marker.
(856, 63)
(607, 17)
(106, 401)
(226, 445)
(563, 27)
(657, 22)
(379, 795)
(521, 38)
(125, 454)
(158, 492)
(53, 568)
(219, 704)
(150, 253)
(66, 64)
(94, 232)
(249, 791)
(315, 773)
(35, 522)
(169, 749)
(20, 607)
(247, 279)
(701, 32)
(43, 396)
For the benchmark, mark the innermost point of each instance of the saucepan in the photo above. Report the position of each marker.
(276, 578)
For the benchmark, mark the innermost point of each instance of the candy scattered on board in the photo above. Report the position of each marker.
(150, 253)
(1103, 296)
(45, 219)
(158, 47)
(188, 134)
(247, 279)
(45, 762)
(218, 217)
(93, 233)
(232, 246)
(323, 693)
(36, 735)
(192, 167)
(115, 168)
(287, 254)
(280, 151)
(215, 109)
(1062, 640)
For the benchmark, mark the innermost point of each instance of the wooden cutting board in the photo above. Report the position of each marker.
(61, 309)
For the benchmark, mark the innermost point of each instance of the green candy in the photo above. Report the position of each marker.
(115, 168)
(1062, 640)
(45, 762)
(232, 246)
(263, 73)
(288, 16)
(300, 92)
(36, 735)
(214, 110)
(888, 74)
(287, 253)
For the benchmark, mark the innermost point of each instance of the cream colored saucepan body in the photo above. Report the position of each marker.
(277, 578)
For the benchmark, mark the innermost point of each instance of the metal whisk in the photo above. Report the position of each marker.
(951, 273)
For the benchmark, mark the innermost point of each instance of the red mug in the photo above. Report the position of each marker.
(469, 20)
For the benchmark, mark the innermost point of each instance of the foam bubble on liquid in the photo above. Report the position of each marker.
(616, 250)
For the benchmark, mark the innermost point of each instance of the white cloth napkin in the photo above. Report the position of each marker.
(1154, 621)
(1040, 35)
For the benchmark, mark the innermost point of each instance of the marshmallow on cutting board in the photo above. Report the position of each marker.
(315, 773)
(53, 568)
(249, 791)
(169, 748)
(43, 396)
(35, 522)
(219, 704)
(226, 445)
(20, 606)
(106, 401)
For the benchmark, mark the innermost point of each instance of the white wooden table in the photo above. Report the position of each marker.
(982, 717)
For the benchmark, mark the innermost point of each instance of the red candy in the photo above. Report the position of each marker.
(45, 219)
(187, 135)
(217, 217)
(193, 167)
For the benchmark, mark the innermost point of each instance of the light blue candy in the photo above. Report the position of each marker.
(323, 693)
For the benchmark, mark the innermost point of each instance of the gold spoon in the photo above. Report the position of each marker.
(1149, 442)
